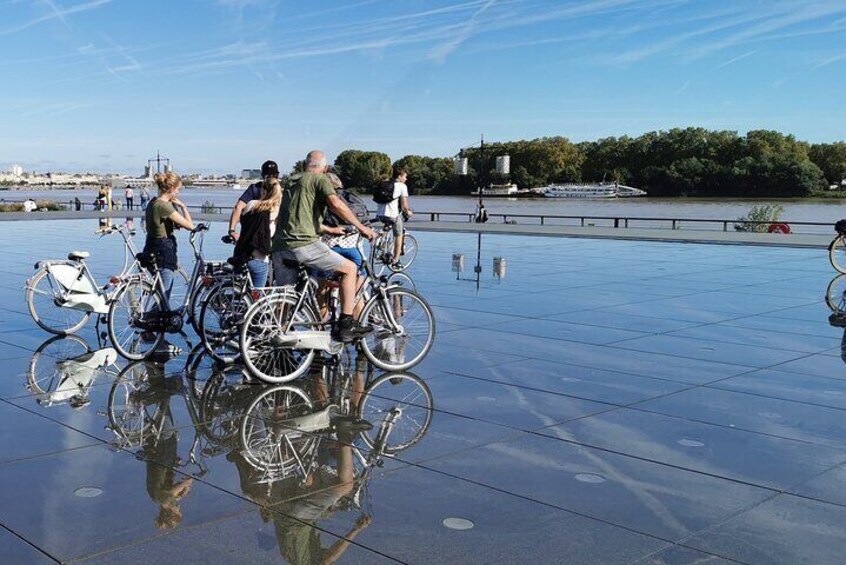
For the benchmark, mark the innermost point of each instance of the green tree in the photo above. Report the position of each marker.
(831, 159)
(362, 170)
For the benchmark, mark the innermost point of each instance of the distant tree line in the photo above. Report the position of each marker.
(678, 162)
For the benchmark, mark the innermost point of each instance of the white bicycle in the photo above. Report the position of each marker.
(63, 293)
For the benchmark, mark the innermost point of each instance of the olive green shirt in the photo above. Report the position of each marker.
(159, 226)
(301, 213)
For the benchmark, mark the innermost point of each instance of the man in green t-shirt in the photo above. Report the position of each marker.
(304, 204)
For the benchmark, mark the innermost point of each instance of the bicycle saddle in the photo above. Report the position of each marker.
(146, 258)
(237, 265)
(291, 264)
(77, 255)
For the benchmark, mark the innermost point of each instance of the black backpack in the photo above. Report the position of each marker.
(354, 203)
(384, 193)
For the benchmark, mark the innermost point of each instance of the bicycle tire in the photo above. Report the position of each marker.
(129, 418)
(264, 443)
(220, 321)
(835, 294)
(837, 254)
(408, 255)
(131, 301)
(49, 315)
(263, 322)
(56, 349)
(382, 346)
(403, 391)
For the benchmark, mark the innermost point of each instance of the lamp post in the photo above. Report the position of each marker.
(462, 169)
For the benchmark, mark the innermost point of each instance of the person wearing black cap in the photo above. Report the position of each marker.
(269, 169)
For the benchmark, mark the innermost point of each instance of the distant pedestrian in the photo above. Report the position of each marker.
(482, 215)
(130, 197)
(77, 204)
(145, 197)
(29, 205)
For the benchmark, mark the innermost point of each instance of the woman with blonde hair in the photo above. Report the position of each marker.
(164, 214)
(258, 224)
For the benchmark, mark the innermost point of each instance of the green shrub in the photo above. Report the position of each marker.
(768, 213)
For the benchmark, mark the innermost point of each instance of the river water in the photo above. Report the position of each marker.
(795, 210)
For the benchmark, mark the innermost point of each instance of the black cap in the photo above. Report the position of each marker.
(269, 169)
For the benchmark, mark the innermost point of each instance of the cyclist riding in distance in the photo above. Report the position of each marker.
(304, 204)
(163, 215)
(269, 169)
(394, 212)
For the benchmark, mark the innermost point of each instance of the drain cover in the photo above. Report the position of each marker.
(88, 492)
(690, 443)
(592, 478)
(458, 524)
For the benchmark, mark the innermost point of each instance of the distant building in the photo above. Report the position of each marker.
(16, 170)
(251, 174)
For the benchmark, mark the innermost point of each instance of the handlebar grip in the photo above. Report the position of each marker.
(228, 239)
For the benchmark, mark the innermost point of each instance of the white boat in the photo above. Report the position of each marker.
(594, 190)
(504, 191)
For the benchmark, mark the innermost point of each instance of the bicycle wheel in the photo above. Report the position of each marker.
(267, 442)
(835, 294)
(396, 348)
(407, 256)
(220, 321)
(46, 374)
(837, 254)
(261, 333)
(131, 413)
(223, 403)
(43, 298)
(403, 280)
(399, 405)
(130, 307)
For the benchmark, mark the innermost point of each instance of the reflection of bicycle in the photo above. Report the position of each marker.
(140, 414)
(64, 368)
(63, 293)
(282, 429)
(835, 294)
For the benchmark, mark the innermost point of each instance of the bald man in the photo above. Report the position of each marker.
(297, 238)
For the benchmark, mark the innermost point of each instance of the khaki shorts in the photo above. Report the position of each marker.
(395, 223)
(316, 255)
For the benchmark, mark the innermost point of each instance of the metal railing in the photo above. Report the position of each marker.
(612, 221)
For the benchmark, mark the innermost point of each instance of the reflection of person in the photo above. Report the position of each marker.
(77, 204)
(160, 451)
(258, 224)
(162, 218)
(145, 197)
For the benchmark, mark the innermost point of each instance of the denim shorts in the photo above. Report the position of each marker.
(317, 256)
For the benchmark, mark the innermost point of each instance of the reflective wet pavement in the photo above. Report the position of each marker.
(588, 402)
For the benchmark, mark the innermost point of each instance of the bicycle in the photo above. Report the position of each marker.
(382, 250)
(282, 331)
(63, 293)
(140, 314)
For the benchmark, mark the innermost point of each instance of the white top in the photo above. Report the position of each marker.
(29, 205)
(392, 209)
(128, 193)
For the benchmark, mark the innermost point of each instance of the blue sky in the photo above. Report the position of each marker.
(221, 85)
